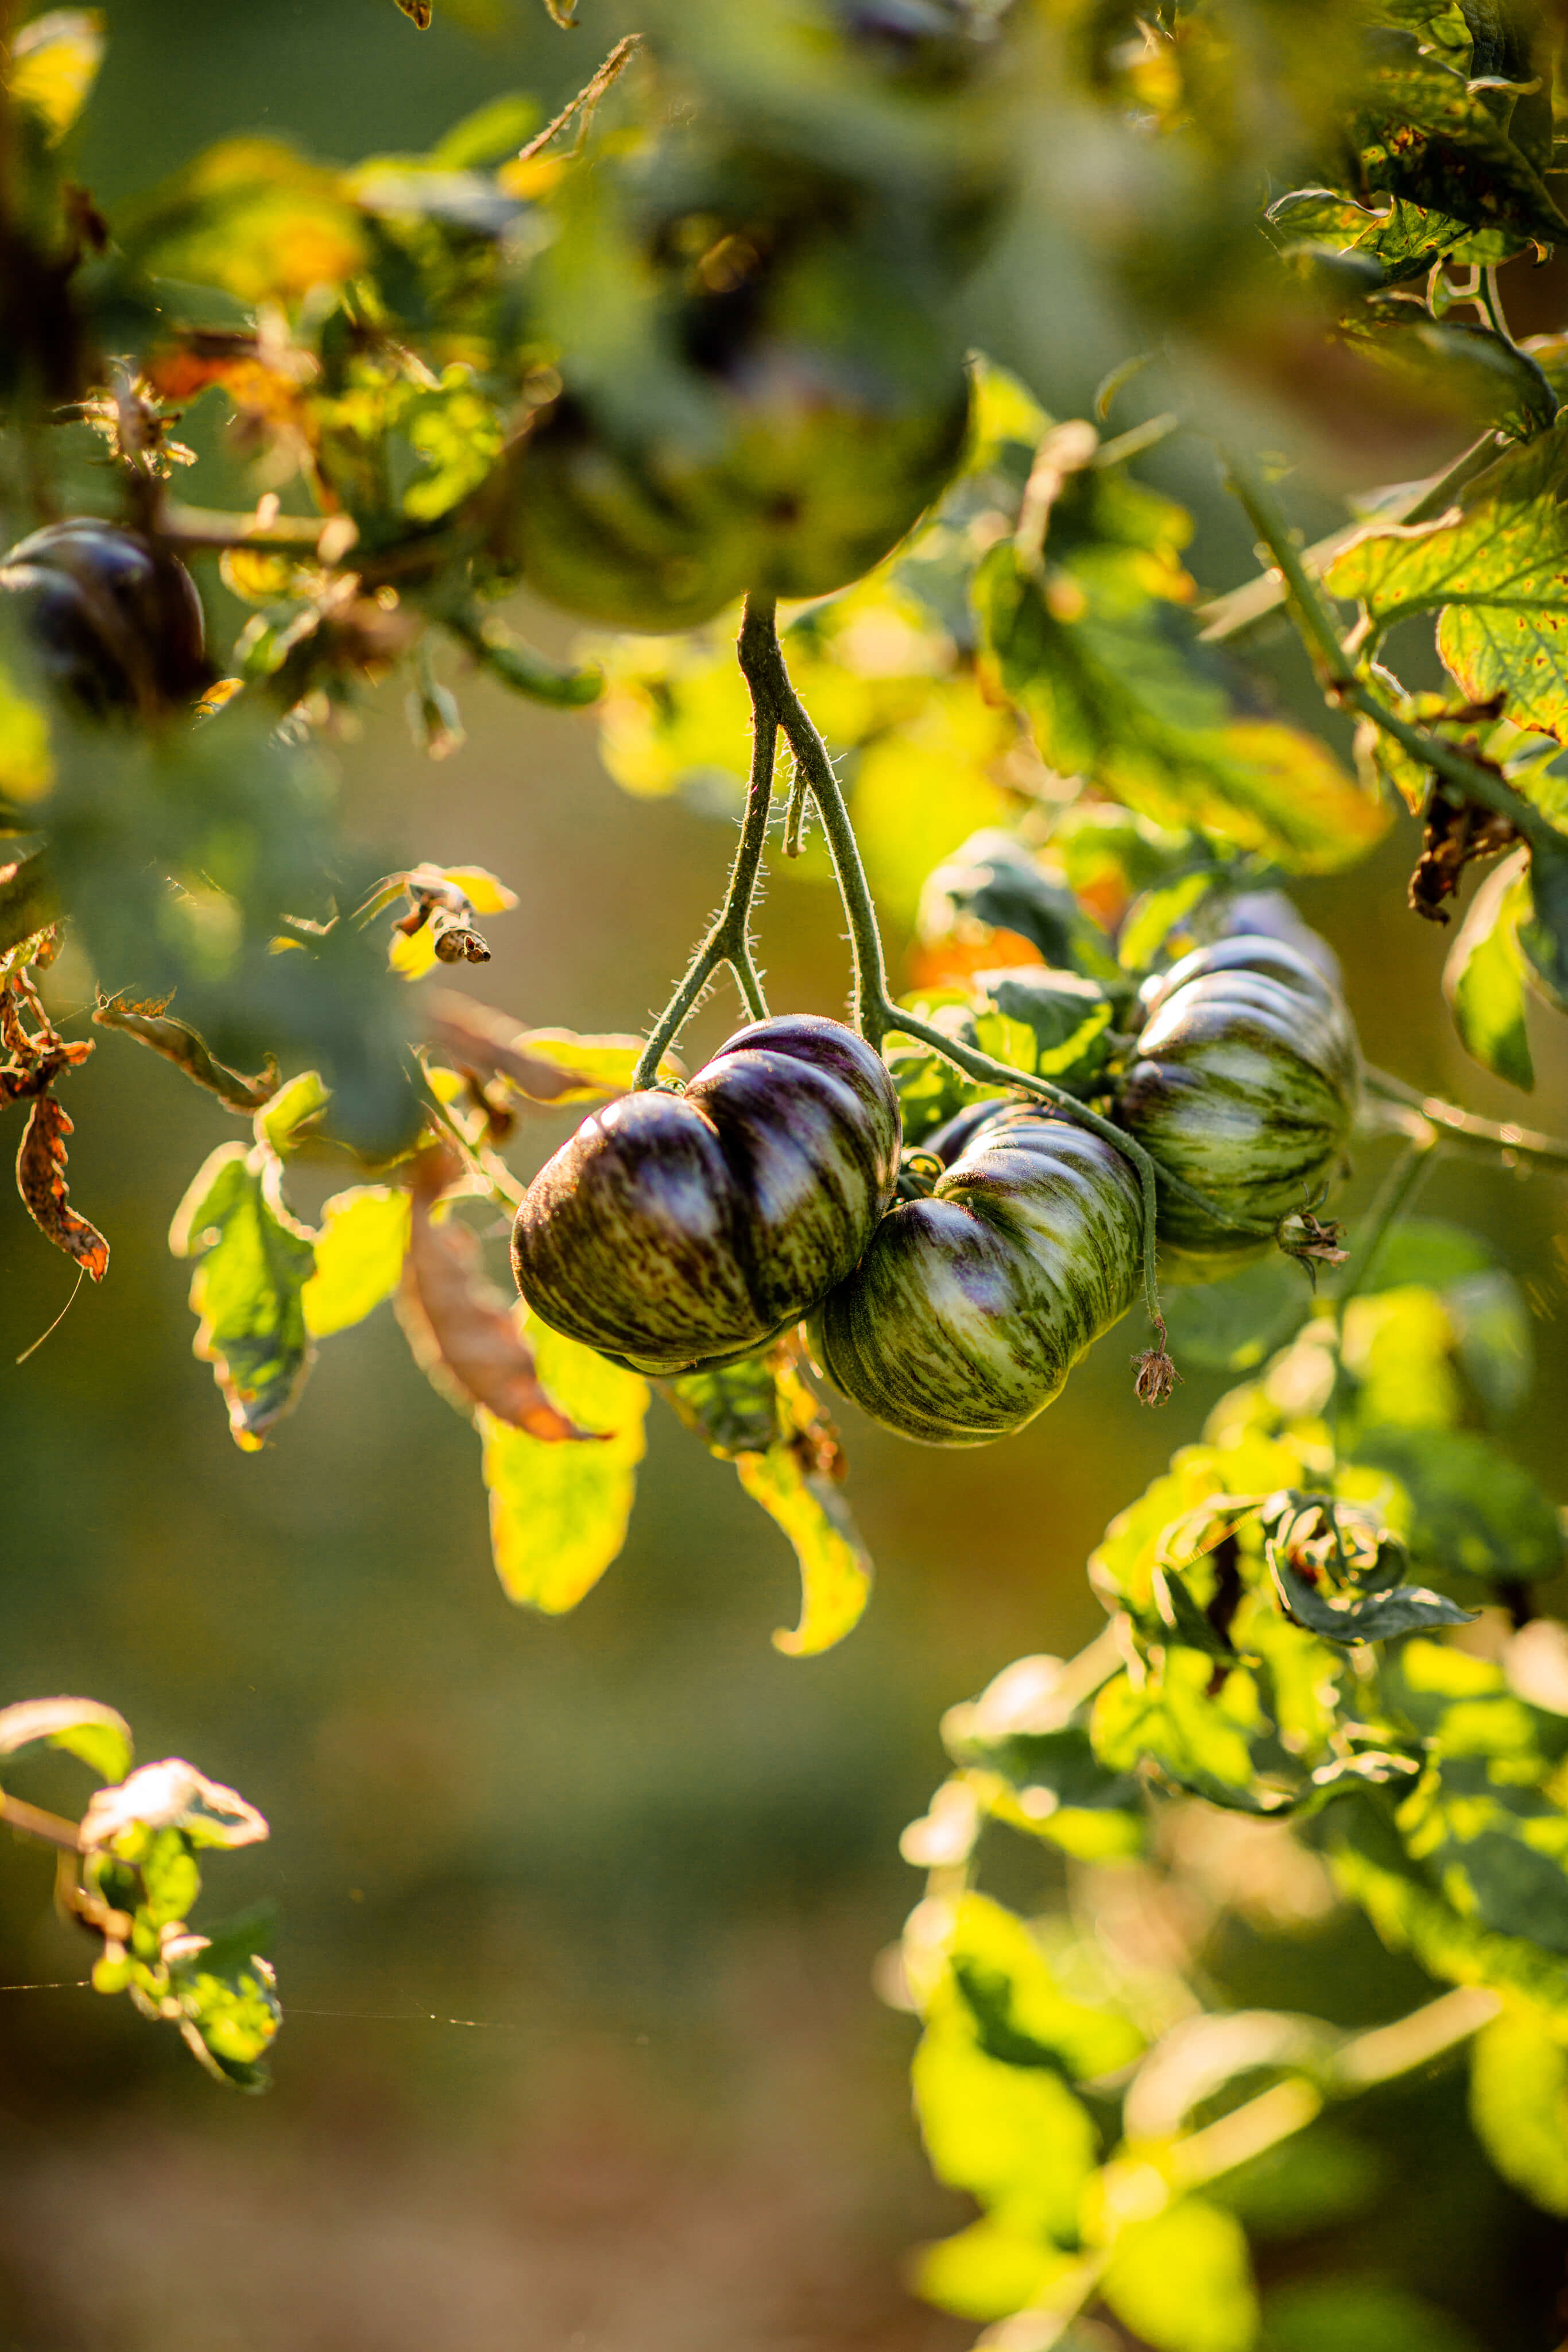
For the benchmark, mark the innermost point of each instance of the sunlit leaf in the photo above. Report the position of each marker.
(986, 2271)
(558, 1513)
(1014, 2137)
(1182, 2281)
(54, 63)
(808, 1507)
(1518, 2104)
(1484, 978)
(227, 1995)
(247, 1290)
(97, 1735)
(251, 215)
(360, 1253)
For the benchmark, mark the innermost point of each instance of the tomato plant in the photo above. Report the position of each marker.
(853, 369)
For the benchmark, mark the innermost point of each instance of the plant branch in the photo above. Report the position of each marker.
(1318, 625)
(773, 698)
(589, 95)
(1464, 1127)
(728, 940)
(31, 1821)
(1242, 610)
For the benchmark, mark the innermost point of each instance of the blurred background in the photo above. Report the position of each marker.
(578, 1919)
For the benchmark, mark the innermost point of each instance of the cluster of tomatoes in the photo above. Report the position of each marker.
(684, 1231)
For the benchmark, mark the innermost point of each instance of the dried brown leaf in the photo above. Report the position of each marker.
(41, 1181)
(460, 1327)
(477, 1038)
(182, 1045)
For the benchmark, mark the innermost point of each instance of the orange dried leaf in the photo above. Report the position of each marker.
(41, 1181)
(460, 1327)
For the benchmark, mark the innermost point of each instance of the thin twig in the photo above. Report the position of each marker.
(728, 940)
(31, 1821)
(1462, 1127)
(590, 93)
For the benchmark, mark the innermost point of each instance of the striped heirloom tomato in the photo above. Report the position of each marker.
(675, 1231)
(971, 1307)
(1244, 1082)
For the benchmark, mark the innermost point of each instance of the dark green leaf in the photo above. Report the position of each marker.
(994, 880)
(1358, 2315)
(1518, 2104)
(1544, 938)
(1351, 1617)
(736, 1410)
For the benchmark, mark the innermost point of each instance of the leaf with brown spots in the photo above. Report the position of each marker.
(41, 1181)
(460, 1327)
(1496, 569)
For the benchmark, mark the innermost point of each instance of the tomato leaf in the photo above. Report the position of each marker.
(255, 1261)
(84, 1727)
(1518, 2104)
(1113, 684)
(1182, 2281)
(809, 1507)
(558, 1513)
(360, 1254)
(1484, 977)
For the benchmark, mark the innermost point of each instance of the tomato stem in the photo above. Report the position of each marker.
(1309, 606)
(728, 938)
(31, 1821)
(775, 703)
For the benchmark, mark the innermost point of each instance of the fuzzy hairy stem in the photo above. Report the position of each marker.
(728, 940)
(1314, 616)
(778, 706)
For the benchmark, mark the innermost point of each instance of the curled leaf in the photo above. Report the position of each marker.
(84, 1727)
(547, 1065)
(171, 1795)
(41, 1181)
(246, 1291)
(460, 1327)
(179, 1043)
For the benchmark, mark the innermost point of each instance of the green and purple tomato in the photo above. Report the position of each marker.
(676, 1231)
(971, 1307)
(1244, 1082)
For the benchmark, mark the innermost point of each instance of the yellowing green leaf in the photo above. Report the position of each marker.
(605, 1064)
(835, 1570)
(359, 1254)
(558, 1513)
(986, 2271)
(54, 64)
(25, 771)
(1014, 2137)
(1102, 660)
(1484, 978)
(254, 217)
(1518, 2104)
(97, 1735)
(1182, 2280)
(247, 1290)
(485, 891)
(1499, 574)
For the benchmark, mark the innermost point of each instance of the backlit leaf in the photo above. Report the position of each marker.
(558, 1513)
(809, 1507)
(1182, 2281)
(1518, 2104)
(1484, 977)
(1014, 2137)
(54, 63)
(84, 1727)
(255, 1261)
(986, 2271)
(359, 1254)
(1498, 569)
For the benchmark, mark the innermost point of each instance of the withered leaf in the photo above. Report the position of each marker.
(41, 1181)
(181, 1045)
(460, 1327)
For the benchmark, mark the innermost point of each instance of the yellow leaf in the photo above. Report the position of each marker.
(54, 64)
(485, 892)
(413, 953)
(360, 1253)
(558, 1513)
(835, 1571)
(26, 769)
(606, 1062)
